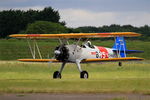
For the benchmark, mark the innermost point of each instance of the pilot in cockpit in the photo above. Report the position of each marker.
(88, 43)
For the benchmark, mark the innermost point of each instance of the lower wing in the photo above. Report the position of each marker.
(38, 60)
(86, 60)
(112, 59)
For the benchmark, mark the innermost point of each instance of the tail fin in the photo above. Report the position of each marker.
(121, 48)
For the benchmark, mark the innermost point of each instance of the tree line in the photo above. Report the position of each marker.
(14, 21)
(47, 21)
(144, 30)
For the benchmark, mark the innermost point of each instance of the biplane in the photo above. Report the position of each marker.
(84, 53)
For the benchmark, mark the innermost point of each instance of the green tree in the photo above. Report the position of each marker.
(14, 21)
(10, 22)
(45, 27)
(88, 29)
(49, 14)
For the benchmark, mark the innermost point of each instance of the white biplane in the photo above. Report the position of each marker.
(85, 53)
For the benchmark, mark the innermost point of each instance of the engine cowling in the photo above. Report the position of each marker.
(61, 53)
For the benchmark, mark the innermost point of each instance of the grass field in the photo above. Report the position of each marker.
(18, 77)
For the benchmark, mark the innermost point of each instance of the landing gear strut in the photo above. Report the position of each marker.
(57, 74)
(83, 74)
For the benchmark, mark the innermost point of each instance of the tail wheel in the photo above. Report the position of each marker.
(84, 74)
(120, 63)
(56, 75)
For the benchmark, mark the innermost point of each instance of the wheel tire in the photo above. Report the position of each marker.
(56, 75)
(84, 74)
(120, 63)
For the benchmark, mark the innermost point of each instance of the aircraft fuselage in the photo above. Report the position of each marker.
(76, 52)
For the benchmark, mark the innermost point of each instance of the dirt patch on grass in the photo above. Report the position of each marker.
(102, 96)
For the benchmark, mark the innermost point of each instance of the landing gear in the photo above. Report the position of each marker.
(56, 75)
(120, 63)
(84, 74)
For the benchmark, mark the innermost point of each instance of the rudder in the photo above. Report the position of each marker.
(121, 48)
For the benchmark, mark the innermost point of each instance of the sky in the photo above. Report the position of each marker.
(97, 13)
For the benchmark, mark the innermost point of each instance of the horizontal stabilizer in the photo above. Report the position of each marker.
(134, 51)
(129, 51)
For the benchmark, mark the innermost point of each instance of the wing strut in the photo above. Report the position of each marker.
(77, 44)
(31, 50)
(38, 49)
(34, 48)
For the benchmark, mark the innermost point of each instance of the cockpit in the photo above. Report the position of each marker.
(87, 44)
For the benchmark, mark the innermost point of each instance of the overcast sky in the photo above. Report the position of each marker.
(90, 12)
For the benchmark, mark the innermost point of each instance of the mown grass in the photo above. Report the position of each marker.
(37, 77)
(13, 49)
(17, 77)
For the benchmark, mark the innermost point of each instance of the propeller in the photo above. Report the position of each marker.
(61, 53)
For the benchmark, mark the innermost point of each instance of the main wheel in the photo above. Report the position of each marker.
(56, 74)
(84, 74)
